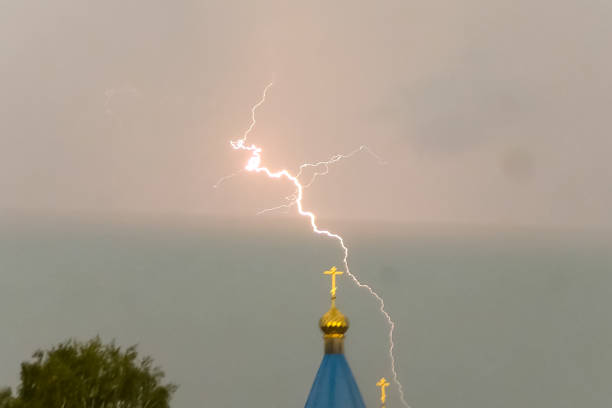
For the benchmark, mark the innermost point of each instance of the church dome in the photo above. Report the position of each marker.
(333, 323)
(334, 385)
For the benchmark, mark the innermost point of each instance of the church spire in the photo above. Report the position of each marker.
(334, 385)
(333, 324)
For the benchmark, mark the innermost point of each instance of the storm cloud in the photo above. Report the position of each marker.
(489, 112)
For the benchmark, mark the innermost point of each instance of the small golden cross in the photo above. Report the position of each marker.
(333, 272)
(382, 383)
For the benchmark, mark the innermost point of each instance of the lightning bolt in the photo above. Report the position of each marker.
(324, 166)
(254, 165)
(320, 169)
(336, 158)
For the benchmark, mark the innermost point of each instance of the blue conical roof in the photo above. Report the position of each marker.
(334, 386)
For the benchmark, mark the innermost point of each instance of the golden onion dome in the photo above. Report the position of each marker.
(333, 324)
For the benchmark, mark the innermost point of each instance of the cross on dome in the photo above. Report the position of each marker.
(333, 271)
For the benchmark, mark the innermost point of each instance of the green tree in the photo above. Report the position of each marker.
(6, 398)
(90, 375)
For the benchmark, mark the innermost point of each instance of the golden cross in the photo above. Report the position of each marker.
(382, 383)
(333, 272)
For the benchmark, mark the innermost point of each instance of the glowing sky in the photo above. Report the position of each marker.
(487, 111)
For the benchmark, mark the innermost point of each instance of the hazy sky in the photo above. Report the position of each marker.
(500, 318)
(487, 111)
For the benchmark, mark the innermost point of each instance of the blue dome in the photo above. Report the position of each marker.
(334, 385)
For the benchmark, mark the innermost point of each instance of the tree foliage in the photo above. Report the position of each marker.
(6, 398)
(90, 375)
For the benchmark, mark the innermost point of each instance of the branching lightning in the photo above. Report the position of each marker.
(336, 158)
(320, 168)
